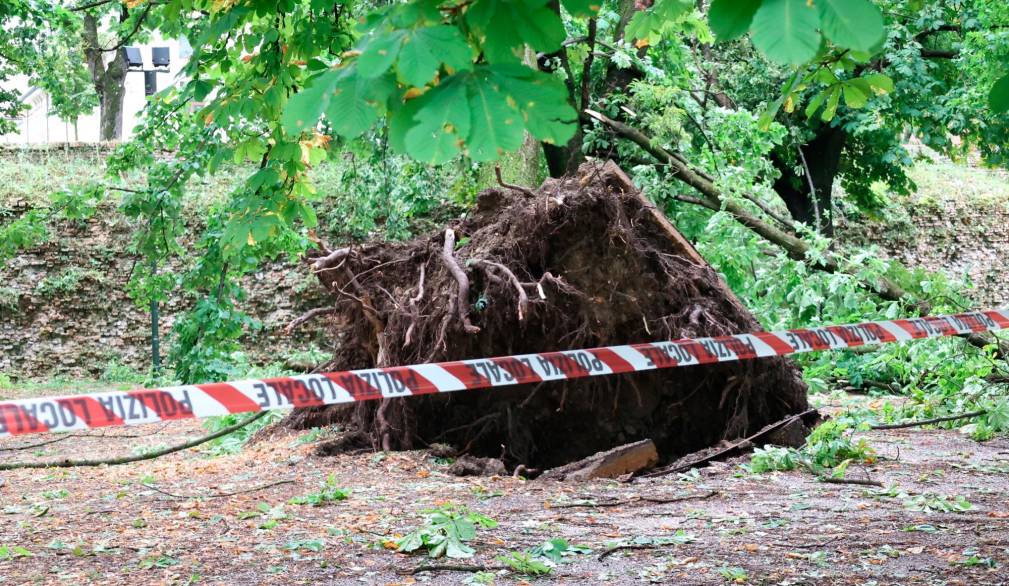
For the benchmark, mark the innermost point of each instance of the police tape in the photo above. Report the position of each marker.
(74, 412)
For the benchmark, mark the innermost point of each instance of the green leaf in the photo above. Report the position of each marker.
(816, 102)
(380, 52)
(505, 26)
(355, 102)
(854, 97)
(852, 24)
(425, 49)
(443, 123)
(880, 82)
(646, 23)
(542, 99)
(496, 126)
(304, 108)
(730, 19)
(998, 98)
(832, 100)
(785, 31)
(582, 7)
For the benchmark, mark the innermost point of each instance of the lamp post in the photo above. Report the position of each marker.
(160, 60)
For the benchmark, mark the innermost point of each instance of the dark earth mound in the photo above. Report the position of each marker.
(582, 262)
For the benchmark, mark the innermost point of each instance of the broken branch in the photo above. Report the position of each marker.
(921, 422)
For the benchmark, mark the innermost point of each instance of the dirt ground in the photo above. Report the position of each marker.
(718, 525)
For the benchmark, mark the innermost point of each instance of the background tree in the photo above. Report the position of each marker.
(19, 22)
(106, 27)
(61, 72)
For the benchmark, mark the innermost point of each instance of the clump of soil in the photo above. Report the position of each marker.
(582, 262)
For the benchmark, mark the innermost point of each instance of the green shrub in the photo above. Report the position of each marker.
(67, 281)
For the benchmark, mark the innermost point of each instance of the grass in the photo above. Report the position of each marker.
(944, 182)
(30, 176)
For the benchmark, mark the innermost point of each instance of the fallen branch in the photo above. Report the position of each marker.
(921, 422)
(138, 458)
(743, 442)
(218, 495)
(462, 303)
(713, 198)
(677, 499)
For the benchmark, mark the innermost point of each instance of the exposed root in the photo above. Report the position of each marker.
(331, 259)
(308, 316)
(524, 190)
(462, 298)
(523, 303)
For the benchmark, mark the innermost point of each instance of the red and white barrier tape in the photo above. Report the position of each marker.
(74, 412)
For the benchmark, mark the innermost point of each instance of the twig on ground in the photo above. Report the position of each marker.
(592, 503)
(38, 444)
(449, 568)
(128, 459)
(815, 544)
(628, 546)
(859, 481)
(921, 422)
(218, 495)
(636, 499)
(676, 499)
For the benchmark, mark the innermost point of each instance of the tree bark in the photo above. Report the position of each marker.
(562, 159)
(807, 186)
(109, 80)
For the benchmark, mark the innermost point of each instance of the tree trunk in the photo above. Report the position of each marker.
(818, 162)
(562, 159)
(109, 80)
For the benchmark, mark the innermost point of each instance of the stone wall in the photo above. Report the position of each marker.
(965, 238)
(64, 308)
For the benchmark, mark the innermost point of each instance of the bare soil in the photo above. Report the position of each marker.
(103, 526)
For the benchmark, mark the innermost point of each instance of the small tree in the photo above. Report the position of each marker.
(60, 71)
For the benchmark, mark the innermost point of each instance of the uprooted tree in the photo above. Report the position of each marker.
(585, 261)
(286, 84)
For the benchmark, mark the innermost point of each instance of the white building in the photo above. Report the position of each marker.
(38, 126)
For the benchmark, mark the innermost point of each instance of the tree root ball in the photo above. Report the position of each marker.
(584, 261)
